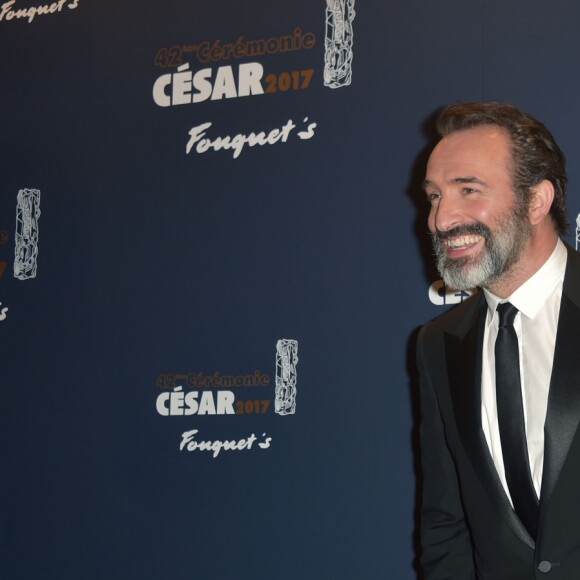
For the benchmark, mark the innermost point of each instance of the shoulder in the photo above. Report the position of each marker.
(573, 263)
(457, 320)
(572, 276)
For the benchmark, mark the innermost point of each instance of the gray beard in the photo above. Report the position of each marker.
(502, 250)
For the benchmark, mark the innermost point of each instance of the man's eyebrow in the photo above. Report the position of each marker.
(468, 179)
(426, 183)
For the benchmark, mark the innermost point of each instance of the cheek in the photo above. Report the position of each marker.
(485, 214)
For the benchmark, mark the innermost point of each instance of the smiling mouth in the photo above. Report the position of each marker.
(462, 242)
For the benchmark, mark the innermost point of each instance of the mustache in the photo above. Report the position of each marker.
(477, 229)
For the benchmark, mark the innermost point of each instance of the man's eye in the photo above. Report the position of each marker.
(469, 190)
(433, 197)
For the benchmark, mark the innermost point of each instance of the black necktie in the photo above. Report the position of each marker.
(510, 415)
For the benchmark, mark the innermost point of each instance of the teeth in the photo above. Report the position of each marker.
(463, 242)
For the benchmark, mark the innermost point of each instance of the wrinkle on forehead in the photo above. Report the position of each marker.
(470, 153)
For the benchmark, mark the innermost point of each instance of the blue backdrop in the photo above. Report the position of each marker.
(213, 263)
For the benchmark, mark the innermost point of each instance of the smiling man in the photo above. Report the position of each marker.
(500, 373)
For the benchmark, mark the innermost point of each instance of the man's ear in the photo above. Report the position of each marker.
(541, 201)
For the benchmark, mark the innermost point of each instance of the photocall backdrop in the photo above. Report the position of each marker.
(213, 264)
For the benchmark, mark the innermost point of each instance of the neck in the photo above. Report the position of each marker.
(534, 255)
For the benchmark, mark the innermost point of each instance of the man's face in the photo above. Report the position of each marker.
(478, 224)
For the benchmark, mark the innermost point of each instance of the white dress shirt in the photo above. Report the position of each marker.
(538, 301)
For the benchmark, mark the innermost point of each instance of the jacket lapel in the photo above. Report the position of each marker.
(563, 412)
(463, 357)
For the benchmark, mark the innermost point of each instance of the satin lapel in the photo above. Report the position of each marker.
(563, 412)
(463, 357)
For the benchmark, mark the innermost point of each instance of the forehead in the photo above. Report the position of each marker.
(479, 151)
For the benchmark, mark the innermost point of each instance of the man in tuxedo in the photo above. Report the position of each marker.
(500, 373)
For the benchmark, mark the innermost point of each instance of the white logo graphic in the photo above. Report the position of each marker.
(26, 236)
(178, 403)
(190, 443)
(31, 12)
(440, 295)
(338, 43)
(3, 312)
(185, 87)
(200, 143)
(286, 361)
(577, 230)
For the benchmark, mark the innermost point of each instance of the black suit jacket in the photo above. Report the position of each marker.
(468, 527)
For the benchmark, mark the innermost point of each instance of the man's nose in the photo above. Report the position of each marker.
(445, 215)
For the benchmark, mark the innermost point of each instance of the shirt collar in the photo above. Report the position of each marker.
(531, 295)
